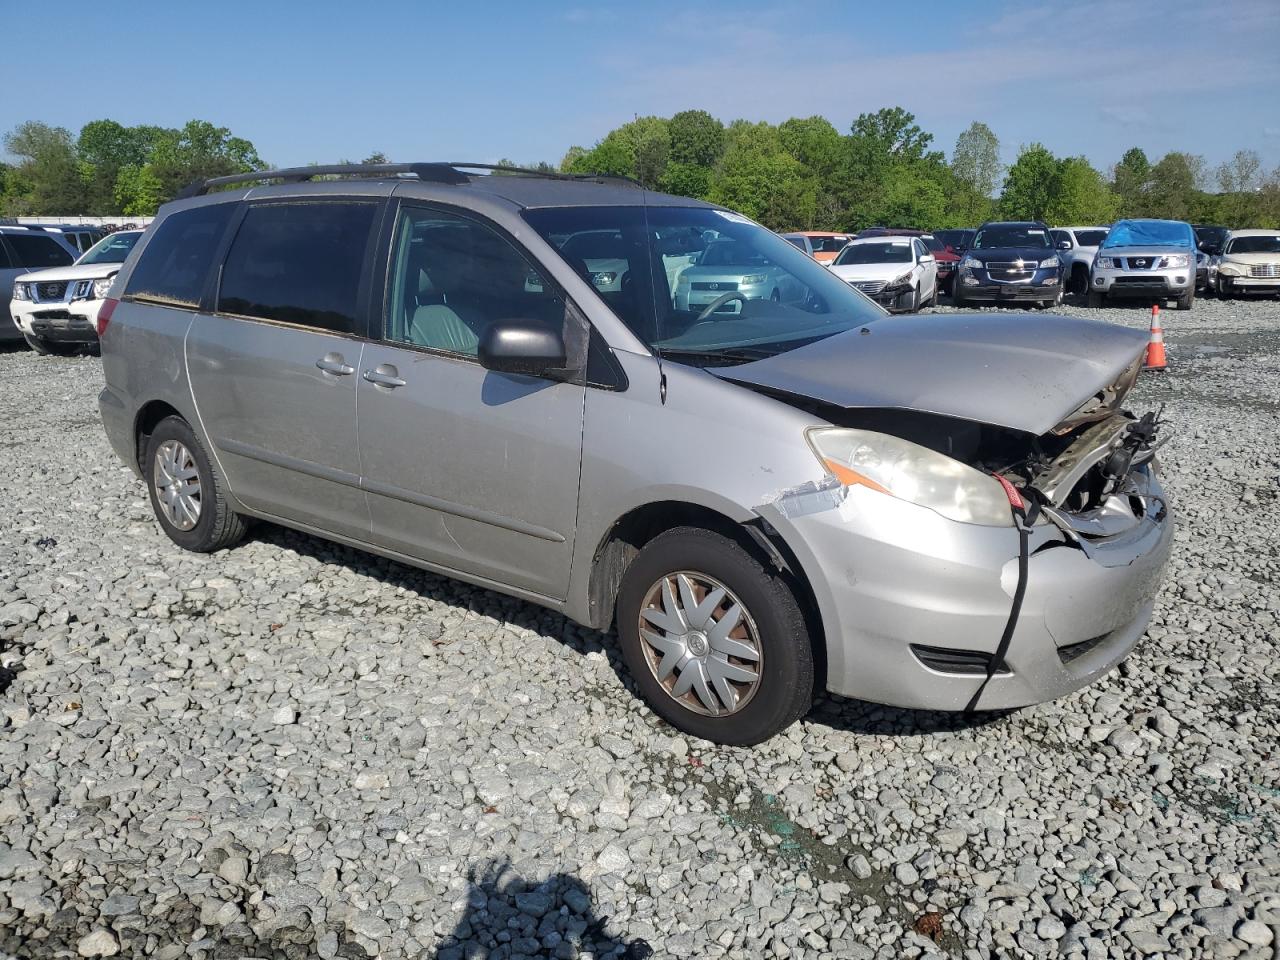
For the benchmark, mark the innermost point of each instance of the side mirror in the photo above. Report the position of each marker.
(1064, 244)
(927, 258)
(521, 346)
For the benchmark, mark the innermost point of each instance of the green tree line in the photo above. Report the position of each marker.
(802, 174)
(110, 169)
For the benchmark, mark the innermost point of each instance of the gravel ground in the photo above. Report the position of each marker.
(292, 749)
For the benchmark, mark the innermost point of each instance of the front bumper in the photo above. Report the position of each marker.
(1259, 284)
(897, 583)
(982, 285)
(1169, 283)
(69, 322)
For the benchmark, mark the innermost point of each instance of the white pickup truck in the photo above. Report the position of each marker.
(1077, 247)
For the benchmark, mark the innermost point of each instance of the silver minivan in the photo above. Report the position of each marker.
(952, 512)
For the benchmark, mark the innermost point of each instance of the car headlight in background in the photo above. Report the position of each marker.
(102, 286)
(901, 281)
(1049, 263)
(910, 472)
(1233, 269)
(970, 263)
(753, 278)
(1178, 261)
(1107, 263)
(20, 292)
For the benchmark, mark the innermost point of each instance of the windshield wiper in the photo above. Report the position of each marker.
(723, 354)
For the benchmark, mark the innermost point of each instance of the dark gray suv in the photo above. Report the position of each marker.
(499, 378)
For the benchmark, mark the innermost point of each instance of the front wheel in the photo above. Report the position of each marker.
(1187, 299)
(909, 302)
(715, 641)
(188, 494)
(38, 344)
(1224, 288)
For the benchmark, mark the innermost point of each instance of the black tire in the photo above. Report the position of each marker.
(1079, 279)
(957, 293)
(912, 301)
(1097, 299)
(218, 526)
(785, 690)
(1224, 289)
(1187, 299)
(38, 344)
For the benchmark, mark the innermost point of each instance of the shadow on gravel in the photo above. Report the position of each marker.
(839, 713)
(550, 919)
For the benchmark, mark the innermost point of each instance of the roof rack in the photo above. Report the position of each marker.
(435, 172)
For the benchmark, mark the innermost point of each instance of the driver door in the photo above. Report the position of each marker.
(465, 468)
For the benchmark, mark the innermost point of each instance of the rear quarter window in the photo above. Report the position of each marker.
(175, 263)
(299, 263)
(35, 250)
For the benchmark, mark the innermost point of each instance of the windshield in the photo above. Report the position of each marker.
(112, 249)
(1010, 235)
(1270, 244)
(1090, 238)
(956, 239)
(705, 286)
(1142, 233)
(887, 252)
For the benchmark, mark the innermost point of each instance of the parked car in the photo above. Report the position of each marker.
(80, 238)
(57, 309)
(799, 493)
(729, 266)
(823, 247)
(1152, 259)
(1249, 263)
(21, 250)
(1010, 262)
(1077, 246)
(957, 241)
(1210, 239)
(944, 260)
(897, 272)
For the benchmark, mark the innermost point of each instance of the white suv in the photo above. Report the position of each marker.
(1077, 246)
(57, 309)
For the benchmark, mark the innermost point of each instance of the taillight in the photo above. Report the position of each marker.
(104, 314)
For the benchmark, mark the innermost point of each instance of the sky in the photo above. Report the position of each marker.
(324, 81)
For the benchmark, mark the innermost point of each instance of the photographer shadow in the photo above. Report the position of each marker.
(507, 915)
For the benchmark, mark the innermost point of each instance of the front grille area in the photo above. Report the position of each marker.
(51, 291)
(1142, 263)
(1011, 272)
(724, 286)
(1265, 271)
(869, 287)
(1153, 282)
(955, 660)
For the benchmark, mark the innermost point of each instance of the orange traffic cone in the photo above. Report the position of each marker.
(1155, 347)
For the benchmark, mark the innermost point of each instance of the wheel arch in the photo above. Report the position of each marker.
(147, 419)
(624, 539)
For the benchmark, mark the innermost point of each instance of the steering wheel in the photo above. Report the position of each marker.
(719, 302)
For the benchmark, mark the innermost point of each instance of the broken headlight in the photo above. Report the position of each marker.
(910, 472)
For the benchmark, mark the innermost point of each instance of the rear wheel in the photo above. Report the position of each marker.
(188, 494)
(715, 641)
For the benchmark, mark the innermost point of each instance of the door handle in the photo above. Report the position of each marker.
(384, 375)
(333, 363)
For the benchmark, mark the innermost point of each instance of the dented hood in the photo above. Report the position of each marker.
(1024, 372)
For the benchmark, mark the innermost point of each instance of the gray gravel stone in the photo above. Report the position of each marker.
(294, 749)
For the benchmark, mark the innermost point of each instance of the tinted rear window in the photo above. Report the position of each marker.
(175, 263)
(38, 250)
(299, 263)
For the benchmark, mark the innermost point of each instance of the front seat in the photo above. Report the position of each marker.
(437, 326)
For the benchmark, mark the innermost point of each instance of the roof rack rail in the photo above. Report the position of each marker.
(436, 172)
